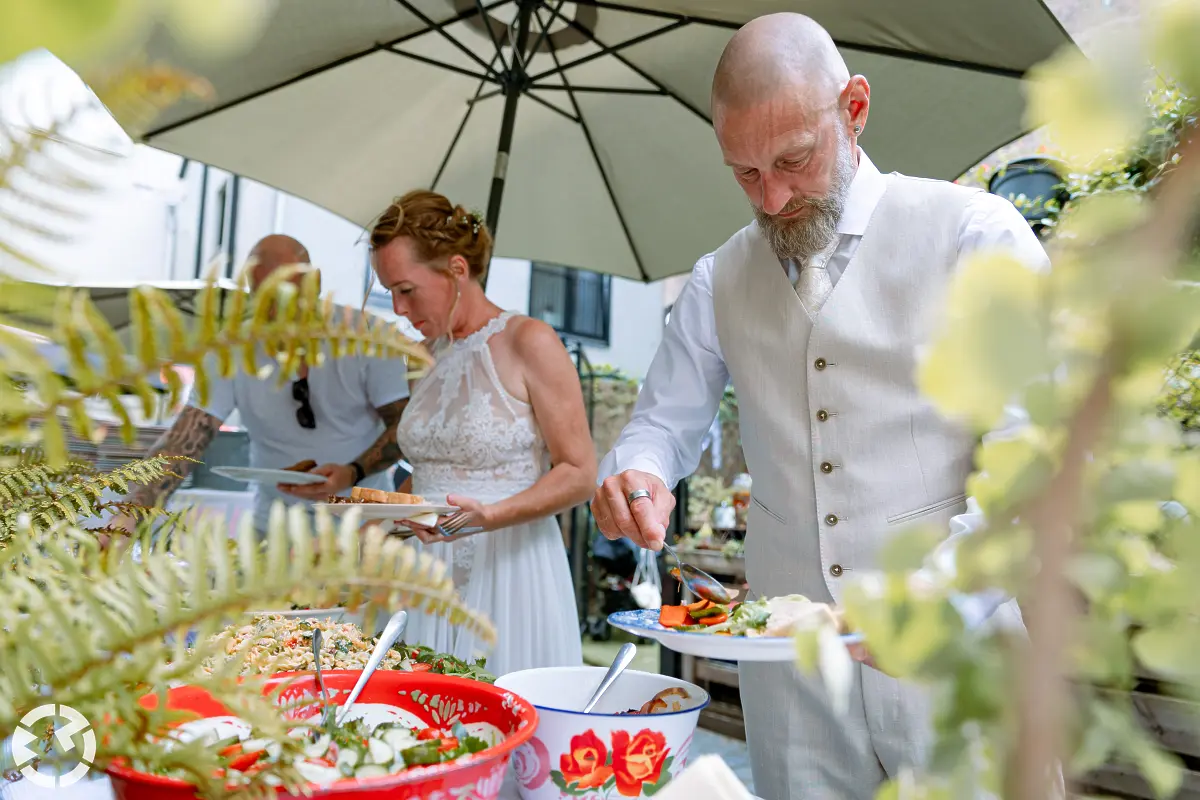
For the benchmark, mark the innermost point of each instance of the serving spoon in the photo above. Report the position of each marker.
(327, 713)
(624, 659)
(391, 633)
(701, 584)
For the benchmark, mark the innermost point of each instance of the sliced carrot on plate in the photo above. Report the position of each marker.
(714, 620)
(674, 617)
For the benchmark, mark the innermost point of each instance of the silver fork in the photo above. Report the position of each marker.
(455, 524)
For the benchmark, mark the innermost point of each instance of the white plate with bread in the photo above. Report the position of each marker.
(270, 477)
(378, 504)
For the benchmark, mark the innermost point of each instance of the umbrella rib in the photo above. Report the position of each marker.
(553, 107)
(553, 87)
(485, 96)
(892, 52)
(462, 126)
(315, 71)
(489, 78)
(636, 69)
(605, 51)
(416, 12)
(487, 23)
(587, 135)
(545, 34)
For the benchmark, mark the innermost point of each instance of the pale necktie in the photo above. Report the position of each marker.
(814, 284)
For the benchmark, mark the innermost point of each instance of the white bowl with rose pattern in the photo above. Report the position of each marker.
(604, 755)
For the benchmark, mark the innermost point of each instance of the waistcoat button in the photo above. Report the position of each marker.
(819, 363)
(822, 415)
(831, 519)
(836, 570)
(826, 467)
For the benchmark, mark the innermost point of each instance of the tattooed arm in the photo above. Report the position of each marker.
(386, 450)
(382, 453)
(190, 436)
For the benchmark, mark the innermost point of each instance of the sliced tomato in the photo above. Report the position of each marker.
(245, 760)
(421, 667)
(429, 734)
(232, 750)
(448, 743)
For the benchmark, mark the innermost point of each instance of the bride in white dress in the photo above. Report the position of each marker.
(497, 428)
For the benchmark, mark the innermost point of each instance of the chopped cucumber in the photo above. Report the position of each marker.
(347, 759)
(370, 771)
(319, 747)
(423, 754)
(399, 739)
(380, 752)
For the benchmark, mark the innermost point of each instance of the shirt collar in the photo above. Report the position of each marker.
(866, 189)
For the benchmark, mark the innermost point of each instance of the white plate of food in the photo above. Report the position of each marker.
(295, 475)
(376, 504)
(332, 614)
(759, 630)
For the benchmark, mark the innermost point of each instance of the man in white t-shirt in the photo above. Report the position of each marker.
(341, 414)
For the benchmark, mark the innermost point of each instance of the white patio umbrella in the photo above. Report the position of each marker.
(112, 301)
(589, 118)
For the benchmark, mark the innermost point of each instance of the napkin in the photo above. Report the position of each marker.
(708, 777)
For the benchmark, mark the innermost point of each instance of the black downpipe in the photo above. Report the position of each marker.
(581, 516)
(200, 221)
(231, 244)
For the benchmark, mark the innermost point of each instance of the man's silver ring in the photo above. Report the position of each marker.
(637, 494)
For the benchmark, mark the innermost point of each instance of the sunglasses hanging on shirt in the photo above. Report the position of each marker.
(304, 414)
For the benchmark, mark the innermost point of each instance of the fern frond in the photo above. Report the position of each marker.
(287, 321)
(47, 495)
(97, 626)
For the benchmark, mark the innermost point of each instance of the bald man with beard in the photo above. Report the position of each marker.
(816, 312)
(342, 414)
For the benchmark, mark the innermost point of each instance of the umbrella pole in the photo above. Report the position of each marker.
(515, 79)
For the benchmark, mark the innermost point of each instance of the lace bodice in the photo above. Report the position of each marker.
(464, 433)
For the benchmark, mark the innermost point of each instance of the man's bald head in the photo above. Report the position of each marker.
(774, 53)
(787, 116)
(273, 252)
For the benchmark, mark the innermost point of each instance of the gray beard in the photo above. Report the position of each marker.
(803, 238)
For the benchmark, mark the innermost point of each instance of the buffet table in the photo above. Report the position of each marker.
(100, 789)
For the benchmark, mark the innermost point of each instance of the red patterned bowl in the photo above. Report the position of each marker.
(427, 700)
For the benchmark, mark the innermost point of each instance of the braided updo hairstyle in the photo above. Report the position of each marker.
(437, 229)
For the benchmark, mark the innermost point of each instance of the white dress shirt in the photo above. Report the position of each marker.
(688, 376)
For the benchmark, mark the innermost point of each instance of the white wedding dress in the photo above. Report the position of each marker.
(464, 434)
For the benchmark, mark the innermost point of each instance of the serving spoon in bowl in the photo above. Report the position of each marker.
(327, 712)
(391, 633)
(624, 659)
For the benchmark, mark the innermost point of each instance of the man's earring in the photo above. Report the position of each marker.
(857, 130)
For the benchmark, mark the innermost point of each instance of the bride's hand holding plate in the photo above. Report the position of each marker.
(479, 519)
